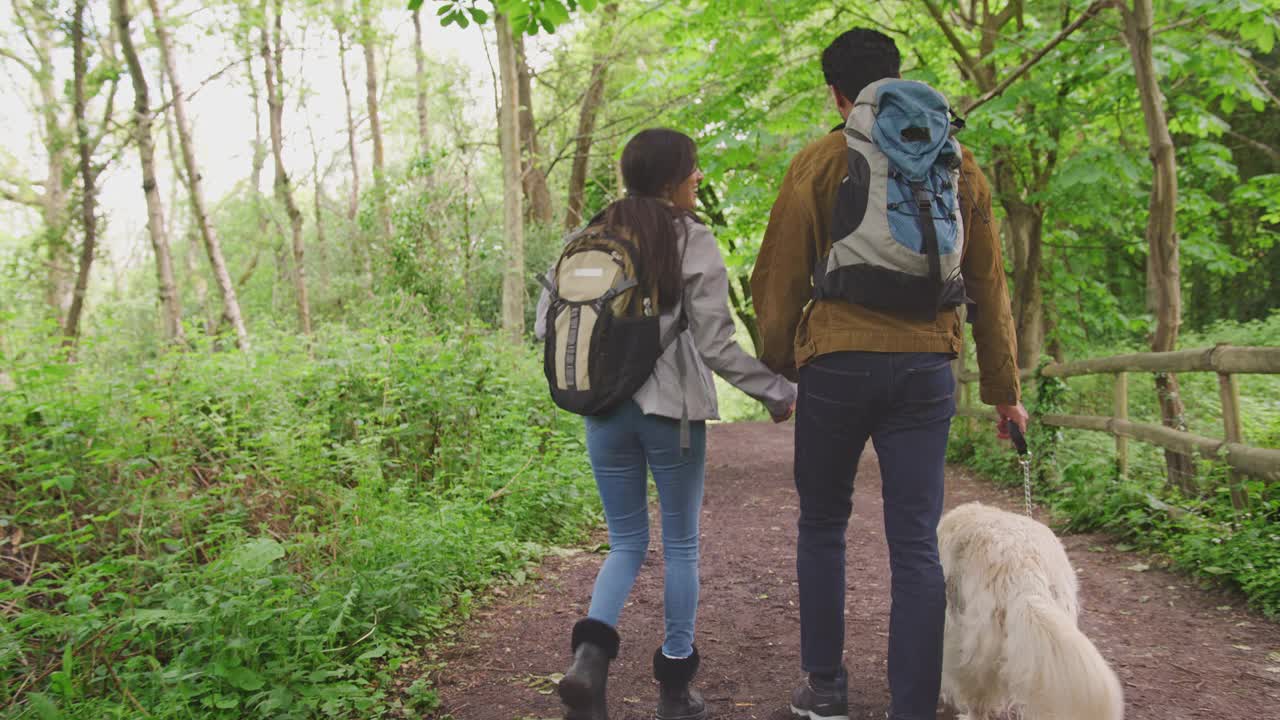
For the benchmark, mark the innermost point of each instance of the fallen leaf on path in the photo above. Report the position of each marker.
(1139, 567)
(1242, 647)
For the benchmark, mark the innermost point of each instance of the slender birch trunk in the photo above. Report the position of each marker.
(367, 41)
(87, 177)
(509, 135)
(420, 80)
(273, 72)
(231, 305)
(170, 306)
(353, 200)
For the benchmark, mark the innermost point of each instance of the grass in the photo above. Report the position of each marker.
(218, 535)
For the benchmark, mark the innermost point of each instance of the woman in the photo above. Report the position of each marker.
(659, 168)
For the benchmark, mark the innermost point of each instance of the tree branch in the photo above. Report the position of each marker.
(956, 43)
(1004, 84)
(19, 196)
(1004, 16)
(26, 65)
(1266, 149)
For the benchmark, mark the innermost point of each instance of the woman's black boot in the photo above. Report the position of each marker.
(676, 700)
(583, 687)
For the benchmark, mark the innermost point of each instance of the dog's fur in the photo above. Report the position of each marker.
(1011, 640)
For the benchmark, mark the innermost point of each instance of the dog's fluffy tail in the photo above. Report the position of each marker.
(1063, 675)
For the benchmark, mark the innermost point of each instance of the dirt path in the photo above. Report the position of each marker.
(1181, 652)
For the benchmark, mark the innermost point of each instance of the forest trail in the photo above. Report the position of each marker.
(1182, 652)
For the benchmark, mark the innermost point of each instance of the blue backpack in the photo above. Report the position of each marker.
(897, 233)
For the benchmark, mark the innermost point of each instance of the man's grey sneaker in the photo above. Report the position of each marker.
(818, 700)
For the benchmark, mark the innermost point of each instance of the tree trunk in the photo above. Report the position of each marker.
(259, 157)
(586, 128)
(199, 285)
(318, 203)
(1024, 219)
(212, 245)
(353, 201)
(170, 307)
(509, 134)
(367, 40)
(1024, 225)
(273, 72)
(420, 80)
(55, 213)
(534, 180)
(1164, 290)
(259, 161)
(87, 177)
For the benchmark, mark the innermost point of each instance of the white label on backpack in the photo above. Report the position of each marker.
(588, 272)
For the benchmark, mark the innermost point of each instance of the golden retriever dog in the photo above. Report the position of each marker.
(1012, 644)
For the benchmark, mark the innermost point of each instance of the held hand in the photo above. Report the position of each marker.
(785, 416)
(1016, 413)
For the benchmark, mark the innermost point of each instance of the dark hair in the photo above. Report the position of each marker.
(654, 163)
(858, 58)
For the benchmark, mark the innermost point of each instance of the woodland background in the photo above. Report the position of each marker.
(262, 436)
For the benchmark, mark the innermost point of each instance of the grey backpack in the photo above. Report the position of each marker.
(897, 233)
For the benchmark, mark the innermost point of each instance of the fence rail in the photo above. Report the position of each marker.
(1225, 360)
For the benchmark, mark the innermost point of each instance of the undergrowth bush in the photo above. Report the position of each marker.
(214, 534)
(1076, 473)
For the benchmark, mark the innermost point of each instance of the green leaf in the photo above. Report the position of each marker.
(256, 555)
(376, 652)
(555, 12)
(480, 16)
(44, 707)
(244, 678)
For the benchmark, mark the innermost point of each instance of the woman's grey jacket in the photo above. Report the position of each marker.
(705, 345)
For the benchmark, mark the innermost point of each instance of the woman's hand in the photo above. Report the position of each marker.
(787, 415)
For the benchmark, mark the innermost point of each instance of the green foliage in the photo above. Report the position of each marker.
(1076, 473)
(219, 535)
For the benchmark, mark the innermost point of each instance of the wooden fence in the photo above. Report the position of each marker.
(1225, 360)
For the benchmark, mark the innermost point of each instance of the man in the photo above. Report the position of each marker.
(865, 374)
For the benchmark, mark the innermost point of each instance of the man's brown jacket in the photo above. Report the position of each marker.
(794, 330)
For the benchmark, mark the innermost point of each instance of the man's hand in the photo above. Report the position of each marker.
(1016, 413)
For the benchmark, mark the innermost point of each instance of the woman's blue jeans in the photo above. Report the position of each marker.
(623, 446)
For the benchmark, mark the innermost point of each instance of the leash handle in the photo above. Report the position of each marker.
(1019, 440)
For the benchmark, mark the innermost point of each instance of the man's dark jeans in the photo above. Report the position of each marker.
(904, 403)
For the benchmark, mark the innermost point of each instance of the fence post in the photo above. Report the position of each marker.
(1121, 412)
(1233, 433)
